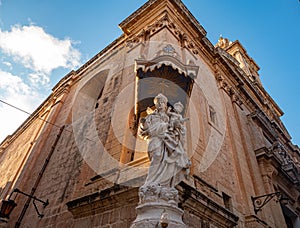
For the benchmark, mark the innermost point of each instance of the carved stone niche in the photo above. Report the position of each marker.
(165, 74)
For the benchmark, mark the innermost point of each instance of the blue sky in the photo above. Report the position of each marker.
(41, 41)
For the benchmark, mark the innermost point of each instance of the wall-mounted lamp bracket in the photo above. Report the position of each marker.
(8, 205)
(260, 201)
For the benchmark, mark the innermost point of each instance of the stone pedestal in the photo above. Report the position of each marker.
(156, 201)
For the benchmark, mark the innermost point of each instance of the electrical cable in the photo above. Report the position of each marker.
(28, 113)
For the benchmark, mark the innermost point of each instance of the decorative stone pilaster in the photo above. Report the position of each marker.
(157, 203)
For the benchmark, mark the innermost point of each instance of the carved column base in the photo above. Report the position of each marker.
(149, 215)
(154, 202)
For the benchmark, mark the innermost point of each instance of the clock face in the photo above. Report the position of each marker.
(167, 72)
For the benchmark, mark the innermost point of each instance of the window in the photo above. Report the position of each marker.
(98, 98)
(227, 201)
(212, 115)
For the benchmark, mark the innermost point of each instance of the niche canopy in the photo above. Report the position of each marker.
(168, 58)
(165, 74)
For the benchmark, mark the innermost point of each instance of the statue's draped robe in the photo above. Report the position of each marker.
(165, 150)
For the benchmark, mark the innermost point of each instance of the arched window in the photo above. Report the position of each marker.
(98, 98)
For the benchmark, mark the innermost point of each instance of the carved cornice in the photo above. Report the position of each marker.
(264, 122)
(271, 127)
(227, 55)
(199, 204)
(190, 198)
(250, 92)
(106, 51)
(144, 34)
(125, 23)
(278, 125)
(143, 10)
(66, 79)
(282, 160)
(254, 221)
(164, 22)
(98, 202)
(250, 67)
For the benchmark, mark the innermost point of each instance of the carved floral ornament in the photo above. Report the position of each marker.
(164, 22)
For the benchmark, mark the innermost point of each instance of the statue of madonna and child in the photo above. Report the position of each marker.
(165, 132)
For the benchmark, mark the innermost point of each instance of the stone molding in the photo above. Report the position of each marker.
(182, 10)
(197, 203)
(190, 199)
(282, 161)
(164, 22)
(101, 200)
(229, 89)
(253, 221)
(60, 91)
(250, 92)
(264, 122)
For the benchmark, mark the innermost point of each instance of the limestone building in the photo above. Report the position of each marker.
(81, 150)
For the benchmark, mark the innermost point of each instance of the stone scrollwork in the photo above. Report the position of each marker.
(280, 152)
(169, 195)
(156, 193)
(287, 163)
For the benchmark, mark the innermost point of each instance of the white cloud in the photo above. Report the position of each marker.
(8, 64)
(39, 79)
(37, 50)
(14, 91)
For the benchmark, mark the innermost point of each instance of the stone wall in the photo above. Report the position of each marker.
(232, 154)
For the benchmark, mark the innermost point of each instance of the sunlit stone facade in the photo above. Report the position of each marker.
(81, 150)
